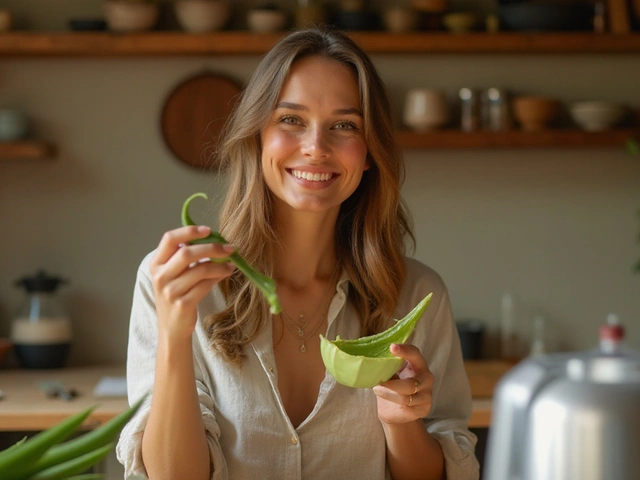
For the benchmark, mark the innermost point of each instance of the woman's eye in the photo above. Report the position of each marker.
(346, 125)
(288, 119)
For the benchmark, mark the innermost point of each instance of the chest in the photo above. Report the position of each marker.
(299, 366)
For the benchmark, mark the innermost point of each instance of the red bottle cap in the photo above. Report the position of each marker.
(612, 332)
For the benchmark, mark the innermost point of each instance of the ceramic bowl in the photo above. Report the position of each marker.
(597, 116)
(460, 22)
(535, 113)
(262, 20)
(127, 16)
(199, 16)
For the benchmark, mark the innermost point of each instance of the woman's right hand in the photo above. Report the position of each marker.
(182, 275)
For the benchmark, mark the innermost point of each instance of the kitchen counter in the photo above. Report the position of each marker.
(25, 406)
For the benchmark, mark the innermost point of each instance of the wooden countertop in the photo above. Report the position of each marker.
(26, 407)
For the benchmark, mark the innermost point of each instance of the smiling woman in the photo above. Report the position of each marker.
(313, 201)
(313, 147)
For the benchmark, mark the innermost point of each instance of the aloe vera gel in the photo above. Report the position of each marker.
(367, 361)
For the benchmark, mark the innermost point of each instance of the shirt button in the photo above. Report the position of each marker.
(270, 369)
(294, 440)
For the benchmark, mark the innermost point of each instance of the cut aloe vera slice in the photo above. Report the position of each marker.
(367, 361)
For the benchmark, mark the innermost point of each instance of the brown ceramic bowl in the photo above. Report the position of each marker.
(5, 348)
(535, 113)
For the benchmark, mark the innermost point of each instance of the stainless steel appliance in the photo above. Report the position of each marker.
(569, 416)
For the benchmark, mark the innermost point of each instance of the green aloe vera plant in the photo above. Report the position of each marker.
(46, 456)
(265, 284)
(367, 361)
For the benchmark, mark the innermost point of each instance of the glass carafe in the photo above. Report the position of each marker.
(41, 332)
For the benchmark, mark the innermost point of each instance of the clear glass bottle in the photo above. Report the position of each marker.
(41, 332)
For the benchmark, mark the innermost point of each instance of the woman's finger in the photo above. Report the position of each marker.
(173, 239)
(415, 362)
(190, 256)
(420, 399)
(180, 286)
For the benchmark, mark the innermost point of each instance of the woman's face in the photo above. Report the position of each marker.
(313, 147)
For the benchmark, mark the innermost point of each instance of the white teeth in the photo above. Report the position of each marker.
(312, 177)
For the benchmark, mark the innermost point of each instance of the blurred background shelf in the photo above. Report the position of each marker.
(27, 43)
(515, 139)
(33, 149)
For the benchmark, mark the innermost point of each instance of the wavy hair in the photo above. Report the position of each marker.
(372, 223)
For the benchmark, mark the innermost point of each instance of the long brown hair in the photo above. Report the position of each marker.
(372, 223)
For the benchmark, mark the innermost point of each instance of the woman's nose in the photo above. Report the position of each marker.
(315, 143)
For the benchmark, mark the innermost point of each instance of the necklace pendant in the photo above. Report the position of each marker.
(301, 317)
(303, 348)
(300, 332)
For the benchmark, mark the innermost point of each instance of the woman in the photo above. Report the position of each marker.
(314, 201)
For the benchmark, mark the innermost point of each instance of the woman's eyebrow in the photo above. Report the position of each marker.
(339, 111)
(348, 111)
(291, 106)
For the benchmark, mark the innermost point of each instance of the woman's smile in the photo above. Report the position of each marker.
(312, 179)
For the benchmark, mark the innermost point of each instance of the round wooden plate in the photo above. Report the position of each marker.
(194, 114)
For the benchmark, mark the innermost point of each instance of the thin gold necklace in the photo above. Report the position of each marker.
(301, 317)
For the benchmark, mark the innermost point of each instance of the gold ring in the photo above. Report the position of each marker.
(410, 400)
(416, 386)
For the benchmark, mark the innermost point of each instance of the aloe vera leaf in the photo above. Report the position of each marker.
(18, 460)
(367, 361)
(12, 447)
(378, 345)
(265, 284)
(64, 470)
(86, 443)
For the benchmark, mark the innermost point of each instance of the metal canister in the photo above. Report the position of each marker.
(496, 114)
(469, 109)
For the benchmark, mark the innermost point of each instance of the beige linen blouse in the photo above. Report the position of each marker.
(249, 433)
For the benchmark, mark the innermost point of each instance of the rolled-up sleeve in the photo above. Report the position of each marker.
(143, 336)
(452, 404)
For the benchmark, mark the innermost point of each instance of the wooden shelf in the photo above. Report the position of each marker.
(109, 44)
(26, 150)
(456, 139)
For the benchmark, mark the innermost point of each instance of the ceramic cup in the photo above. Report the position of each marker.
(425, 109)
(14, 125)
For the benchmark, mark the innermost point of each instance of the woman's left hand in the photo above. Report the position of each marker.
(407, 396)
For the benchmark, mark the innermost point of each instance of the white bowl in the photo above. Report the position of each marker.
(128, 16)
(266, 21)
(596, 116)
(200, 16)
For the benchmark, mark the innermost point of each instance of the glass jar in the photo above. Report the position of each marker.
(41, 332)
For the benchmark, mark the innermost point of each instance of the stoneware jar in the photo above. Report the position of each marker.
(426, 109)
